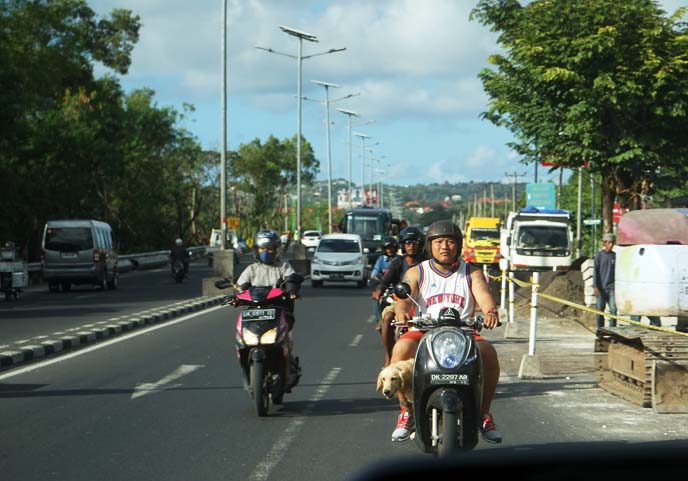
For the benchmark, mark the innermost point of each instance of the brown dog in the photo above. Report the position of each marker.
(396, 380)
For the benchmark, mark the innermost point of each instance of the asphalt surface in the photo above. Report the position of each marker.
(166, 402)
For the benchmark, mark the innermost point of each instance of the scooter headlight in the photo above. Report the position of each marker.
(250, 338)
(448, 348)
(269, 337)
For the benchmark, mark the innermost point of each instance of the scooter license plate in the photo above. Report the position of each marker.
(461, 379)
(258, 315)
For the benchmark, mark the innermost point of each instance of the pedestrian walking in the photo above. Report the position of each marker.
(603, 279)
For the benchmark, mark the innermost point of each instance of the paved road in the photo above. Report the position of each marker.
(167, 403)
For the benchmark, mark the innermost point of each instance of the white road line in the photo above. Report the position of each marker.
(371, 319)
(153, 387)
(103, 344)
(356, 341)
(23, 341)
(279, 449)
(4, 346)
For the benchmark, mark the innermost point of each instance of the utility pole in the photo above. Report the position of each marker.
(513, 186)
(492, 199)
(223, 151)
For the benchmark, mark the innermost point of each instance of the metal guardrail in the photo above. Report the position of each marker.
(143, 260)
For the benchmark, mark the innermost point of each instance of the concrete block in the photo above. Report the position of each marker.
(302, 266)
(298, 251)
(223, 264)
(517, 330)
(530, 367)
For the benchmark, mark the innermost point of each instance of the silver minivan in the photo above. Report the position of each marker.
(79, 252)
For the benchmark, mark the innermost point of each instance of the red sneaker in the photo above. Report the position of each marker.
(405, 425)
(489, 430)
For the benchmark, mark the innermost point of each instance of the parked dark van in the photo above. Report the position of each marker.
(79, 252)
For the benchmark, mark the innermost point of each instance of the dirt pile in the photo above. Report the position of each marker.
(563, 285)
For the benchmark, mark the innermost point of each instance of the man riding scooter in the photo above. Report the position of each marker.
(179, 253)
(411, 240)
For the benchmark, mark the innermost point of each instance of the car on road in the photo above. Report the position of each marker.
(340, 258)
(79, 252)
(311, 238)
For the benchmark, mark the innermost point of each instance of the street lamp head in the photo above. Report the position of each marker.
(298, 33)
(363, 136)
(325, 84)
(348, 112)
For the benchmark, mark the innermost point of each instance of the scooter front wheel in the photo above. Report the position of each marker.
(448, 444)
(259, 388)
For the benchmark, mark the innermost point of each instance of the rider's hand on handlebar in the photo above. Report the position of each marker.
(491, 319)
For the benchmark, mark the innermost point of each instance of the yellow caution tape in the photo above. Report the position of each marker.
(594, 311)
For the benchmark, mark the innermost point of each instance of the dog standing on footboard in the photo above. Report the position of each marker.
(396, 380)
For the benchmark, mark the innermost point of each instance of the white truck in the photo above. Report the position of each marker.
(537, 240)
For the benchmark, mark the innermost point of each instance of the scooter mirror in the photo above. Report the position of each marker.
(402, 290)
(223, 284)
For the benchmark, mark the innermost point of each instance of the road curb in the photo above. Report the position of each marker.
(81, 338)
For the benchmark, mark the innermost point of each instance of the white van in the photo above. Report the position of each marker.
(78, 252)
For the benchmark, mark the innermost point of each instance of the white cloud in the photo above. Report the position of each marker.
(394, 48)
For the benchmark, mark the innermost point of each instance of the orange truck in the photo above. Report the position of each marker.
(481, 240)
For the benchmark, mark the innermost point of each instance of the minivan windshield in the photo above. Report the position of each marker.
(339, 245)
(68, 239)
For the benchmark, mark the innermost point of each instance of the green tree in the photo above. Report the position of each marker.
(53, 112)
(596, 81)
(266, 172)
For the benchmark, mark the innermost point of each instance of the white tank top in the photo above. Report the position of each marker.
(438, 290)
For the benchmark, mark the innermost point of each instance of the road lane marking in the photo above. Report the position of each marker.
(281, 446)
(356, 341)
(371, 319)
(103, 344)
(151, 388)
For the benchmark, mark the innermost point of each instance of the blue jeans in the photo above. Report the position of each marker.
(376, 309)
(654, 320)
(606, 297)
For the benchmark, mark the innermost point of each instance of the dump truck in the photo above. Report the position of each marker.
(481, 241)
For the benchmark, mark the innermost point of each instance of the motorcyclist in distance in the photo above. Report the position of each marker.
(411, 240)
(390, 246)
(179, 252)
(269, 271)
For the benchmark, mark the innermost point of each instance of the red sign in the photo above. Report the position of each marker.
(616, 213)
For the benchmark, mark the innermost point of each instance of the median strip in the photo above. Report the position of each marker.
(42, 346)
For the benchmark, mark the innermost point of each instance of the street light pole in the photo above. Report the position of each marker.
(349, 114)
(363, 138)
(329, 151)
(300, 58)
(223, 152)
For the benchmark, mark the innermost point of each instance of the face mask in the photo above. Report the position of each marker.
(266, 257)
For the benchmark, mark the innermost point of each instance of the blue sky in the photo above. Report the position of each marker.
(414, 64)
